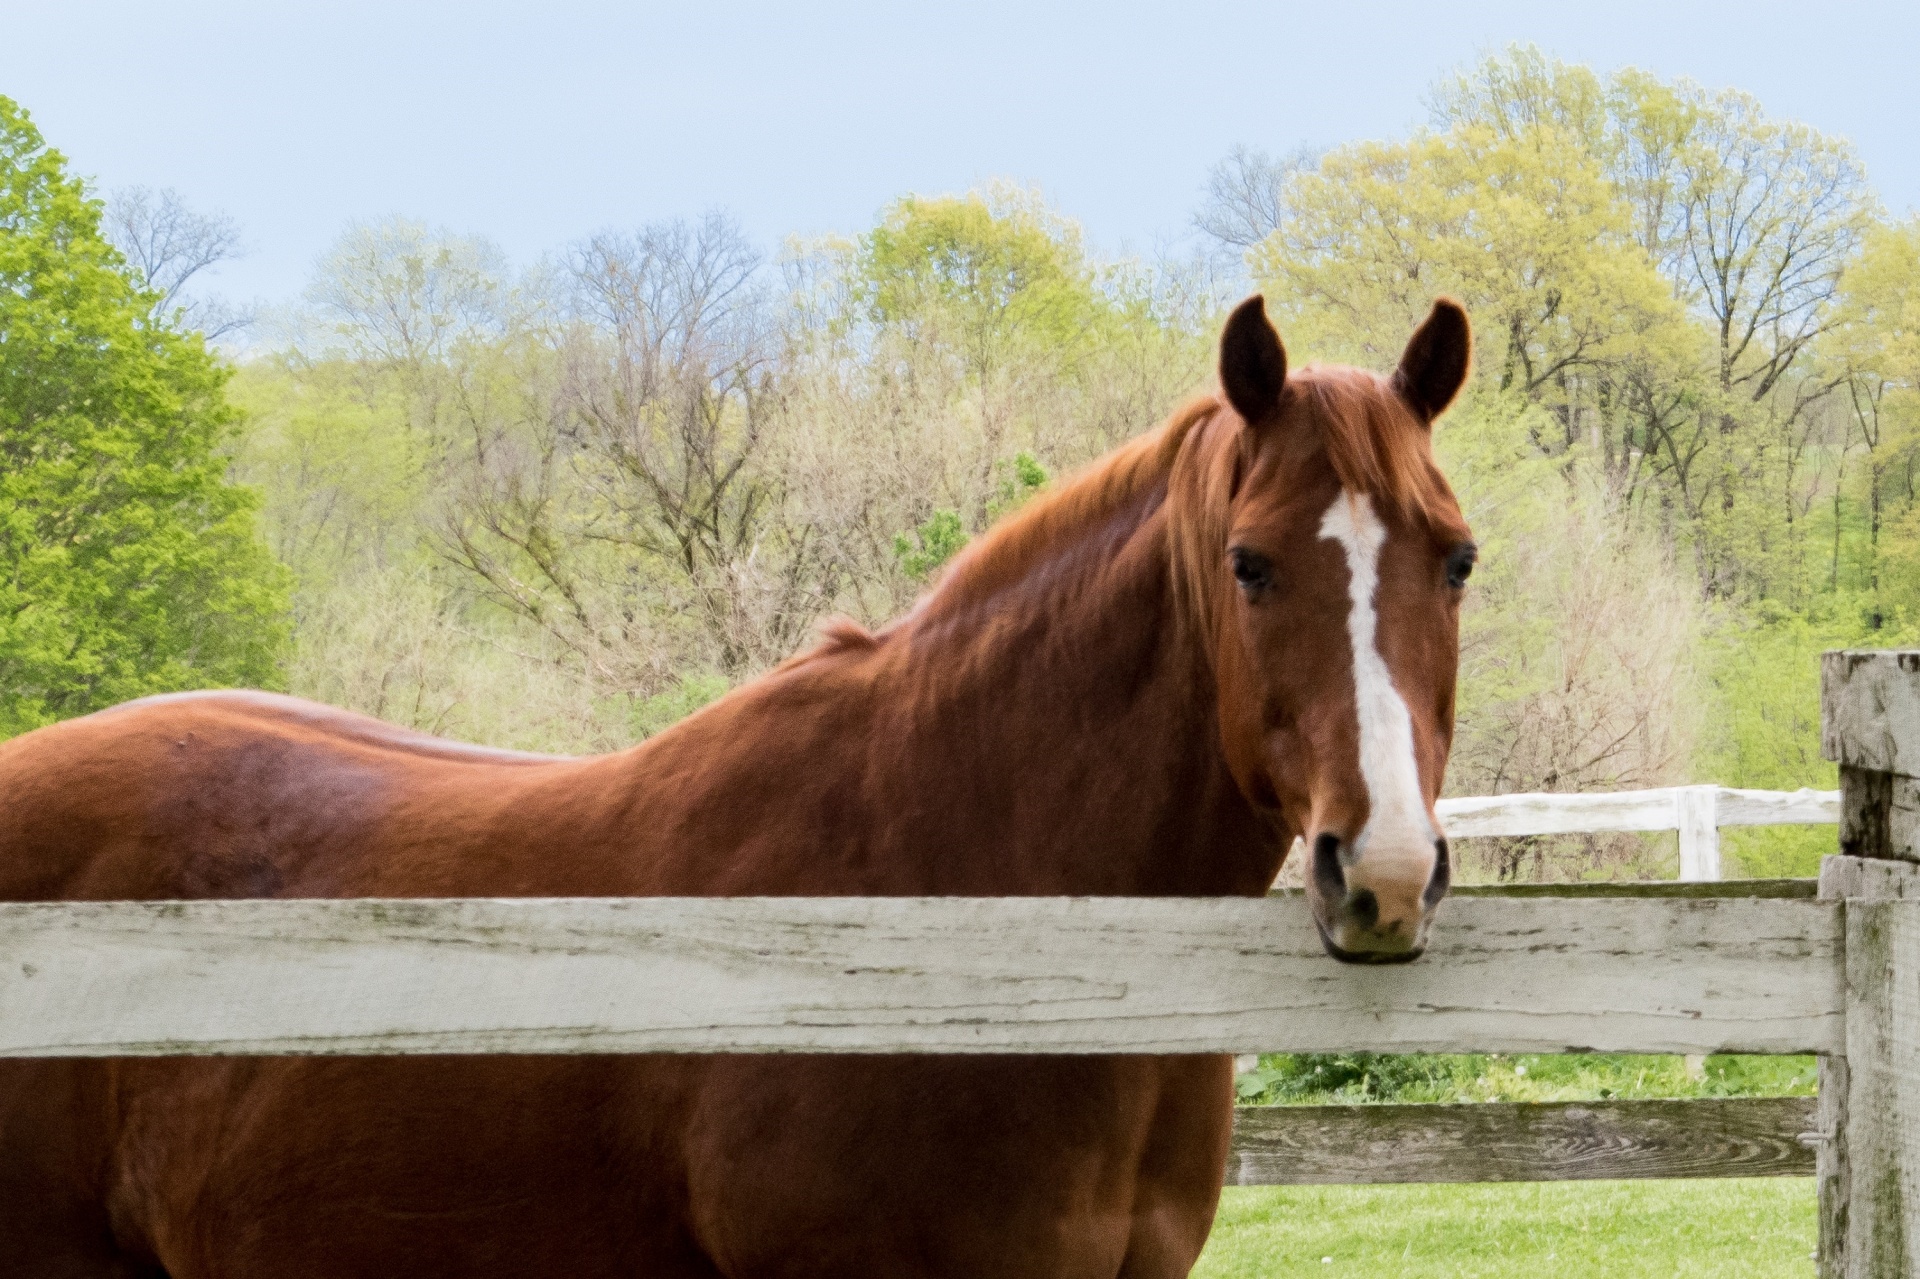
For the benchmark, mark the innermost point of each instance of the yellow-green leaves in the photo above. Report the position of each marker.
(990, 271)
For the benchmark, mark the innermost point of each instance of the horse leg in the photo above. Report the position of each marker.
(54, 1221)
(1162, 1244)
(1181, 1169)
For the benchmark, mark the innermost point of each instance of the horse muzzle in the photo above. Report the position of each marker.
(1375, 908)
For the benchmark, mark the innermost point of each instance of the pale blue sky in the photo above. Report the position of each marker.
(537, 123)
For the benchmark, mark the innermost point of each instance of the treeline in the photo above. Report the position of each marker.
(560, 506)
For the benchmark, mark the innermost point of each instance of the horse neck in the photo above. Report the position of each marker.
(1054, 730)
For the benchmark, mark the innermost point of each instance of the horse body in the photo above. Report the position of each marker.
(1048, 722)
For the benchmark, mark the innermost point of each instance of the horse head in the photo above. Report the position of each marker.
(1331, 583)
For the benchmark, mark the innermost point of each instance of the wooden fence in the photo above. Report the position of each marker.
(1697, 812)
(1756, 967)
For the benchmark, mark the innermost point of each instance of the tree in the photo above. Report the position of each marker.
(991, 272)
(638, 471)
(128, 564)
(403, 294)
(1523, 226)
(168, 244)
(1875, 346)
(1246, 196)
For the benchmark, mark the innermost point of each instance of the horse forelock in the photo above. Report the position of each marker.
(1375, 444)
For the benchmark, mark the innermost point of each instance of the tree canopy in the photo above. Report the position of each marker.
(128, 564)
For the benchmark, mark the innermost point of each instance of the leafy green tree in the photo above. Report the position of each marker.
(128, 564)
(988, 274)
(1875, 346)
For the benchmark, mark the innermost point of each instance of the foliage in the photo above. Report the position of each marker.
(995, 271)
(1652, 264)
(1024, 476)
(1765, 679)
(128, 565)
(1874, 350)
(689, 694)
(937, 540)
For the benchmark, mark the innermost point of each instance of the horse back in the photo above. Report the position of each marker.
(256, 795)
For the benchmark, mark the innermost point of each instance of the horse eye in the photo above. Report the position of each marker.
(1460, 561)
(1251, 569)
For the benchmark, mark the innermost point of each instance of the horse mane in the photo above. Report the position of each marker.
(1375, 443)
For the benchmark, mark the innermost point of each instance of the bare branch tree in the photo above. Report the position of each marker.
(638, 489)
(1773, 212)
(169, 244)
(1246, 195)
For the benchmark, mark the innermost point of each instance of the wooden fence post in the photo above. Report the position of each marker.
(1869, 1158)
(1696, 818)
(1699, 827)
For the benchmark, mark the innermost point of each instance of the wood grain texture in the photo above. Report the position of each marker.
(1872, 878)
(1833, 1169)
(1804, 807)
(1521, 1141)
(1841, 877)
(1870, 709)
(1699, 833)
(1883, 1089)
(1866, 813)
(1658, 888)
(907, 975)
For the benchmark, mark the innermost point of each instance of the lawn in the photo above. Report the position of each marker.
(1756, 1228)
(1314, 1079)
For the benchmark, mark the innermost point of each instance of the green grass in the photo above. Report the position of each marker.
(1749, 1229)
(1312, 1079)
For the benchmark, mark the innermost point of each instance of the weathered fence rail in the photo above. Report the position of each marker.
(936, 974)
(1523, 1141)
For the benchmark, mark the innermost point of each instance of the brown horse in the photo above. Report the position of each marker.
(1236, 630)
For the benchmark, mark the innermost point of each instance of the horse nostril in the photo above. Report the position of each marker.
(1364, 907)
(1327, 875)
(1442, 876)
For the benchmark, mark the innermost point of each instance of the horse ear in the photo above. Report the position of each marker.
(1253, 364)
(1434, 366)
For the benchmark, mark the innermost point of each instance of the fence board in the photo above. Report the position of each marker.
(1521, 1141)
(1804, 807)
(907, 975)
(1554, 813)
(1597, 890)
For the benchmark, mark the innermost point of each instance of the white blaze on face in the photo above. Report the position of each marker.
(1397, 819)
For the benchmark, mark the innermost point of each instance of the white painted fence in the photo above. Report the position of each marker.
(1697, 812)
(928, 974)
